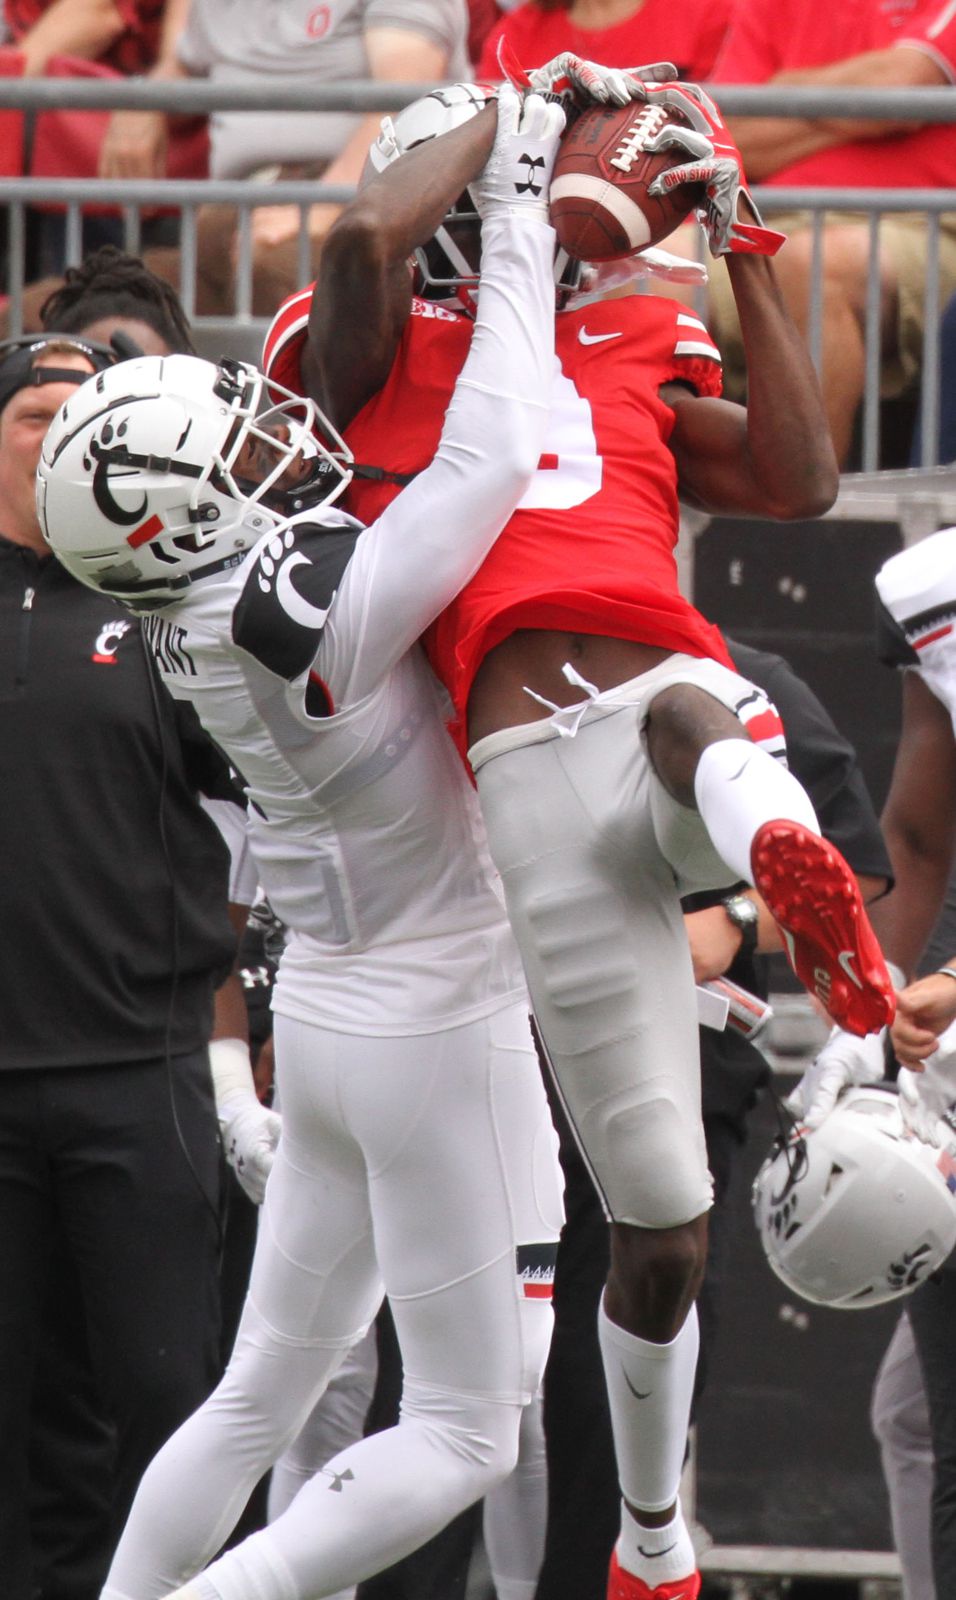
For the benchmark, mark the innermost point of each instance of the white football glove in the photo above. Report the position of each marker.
(845, 1061)
(578, 82)
(248, 1129)
(925, 1096)
(714, 162)
(517, 176)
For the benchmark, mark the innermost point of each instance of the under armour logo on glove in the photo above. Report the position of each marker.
(517, 175)
(531, 164)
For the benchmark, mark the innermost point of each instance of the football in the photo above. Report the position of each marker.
(600, 205)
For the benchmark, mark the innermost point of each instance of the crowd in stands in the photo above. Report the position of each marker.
(909, 44)
(750, 42)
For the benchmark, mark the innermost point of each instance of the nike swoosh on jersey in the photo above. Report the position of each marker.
(651, 1555)
(595, 338)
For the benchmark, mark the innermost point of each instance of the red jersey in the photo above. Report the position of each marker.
(590, 548)
(772, 36)
(690, 35)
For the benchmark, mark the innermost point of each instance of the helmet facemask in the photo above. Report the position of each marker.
(446, 269)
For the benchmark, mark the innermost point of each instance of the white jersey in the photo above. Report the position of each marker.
(917, 589)
(261, 41)
(302, 664)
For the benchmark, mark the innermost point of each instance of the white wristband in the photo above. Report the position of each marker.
(231, 1068)
(897, 975)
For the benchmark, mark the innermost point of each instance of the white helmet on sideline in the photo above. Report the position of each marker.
(857, 1211)
(136, 492)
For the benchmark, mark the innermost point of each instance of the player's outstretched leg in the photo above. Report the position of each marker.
(814, 898)
(762, 824)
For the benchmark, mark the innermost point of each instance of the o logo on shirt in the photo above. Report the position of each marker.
(317, 24)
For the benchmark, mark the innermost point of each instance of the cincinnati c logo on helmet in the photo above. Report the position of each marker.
(106, 453)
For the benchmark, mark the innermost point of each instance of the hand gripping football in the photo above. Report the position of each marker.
(601, 207)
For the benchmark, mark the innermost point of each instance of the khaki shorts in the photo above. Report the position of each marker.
(903, 243)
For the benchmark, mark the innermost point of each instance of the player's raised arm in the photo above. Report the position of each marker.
(431, 540)
(773, 457)
(364, 286)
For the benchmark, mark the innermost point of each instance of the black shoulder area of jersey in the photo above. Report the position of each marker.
(287, 594)
(892, 646)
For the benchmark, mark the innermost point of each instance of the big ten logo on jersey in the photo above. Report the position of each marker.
(108, 642)
(167, 641)
(427, 308)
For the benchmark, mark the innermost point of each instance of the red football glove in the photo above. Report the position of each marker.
(583, 83)
(715, 162)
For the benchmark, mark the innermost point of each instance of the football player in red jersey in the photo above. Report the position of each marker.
(597, 707)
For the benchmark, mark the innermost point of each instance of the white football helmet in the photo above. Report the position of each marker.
(857, 1211)
(136, 492)
(446, 268)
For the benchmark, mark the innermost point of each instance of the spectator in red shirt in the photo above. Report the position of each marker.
(88, 39)
(860, 43)
(123, 34)
(598, 30)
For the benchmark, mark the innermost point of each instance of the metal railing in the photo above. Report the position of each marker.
(132, 198)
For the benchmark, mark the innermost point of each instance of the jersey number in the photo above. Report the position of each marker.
(571, 469)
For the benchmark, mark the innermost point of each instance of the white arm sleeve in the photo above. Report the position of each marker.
(410, 563)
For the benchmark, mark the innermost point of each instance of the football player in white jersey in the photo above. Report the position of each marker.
(417, 1151)
(916, 592)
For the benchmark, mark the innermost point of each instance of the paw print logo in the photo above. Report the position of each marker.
(912, 1267)
(782, 1219)
(277, 547)
(285, 572)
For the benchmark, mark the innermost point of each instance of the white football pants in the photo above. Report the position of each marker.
(899, 1416)
(514, 1514)
(420, 1165)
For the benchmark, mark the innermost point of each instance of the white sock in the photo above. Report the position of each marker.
(252, 1570)
(739, 787)
(657, 1555)
(650, 1387)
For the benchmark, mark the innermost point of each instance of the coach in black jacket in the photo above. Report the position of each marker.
(116, 933)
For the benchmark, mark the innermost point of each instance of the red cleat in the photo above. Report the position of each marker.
(813, 895)
(622, 1585)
